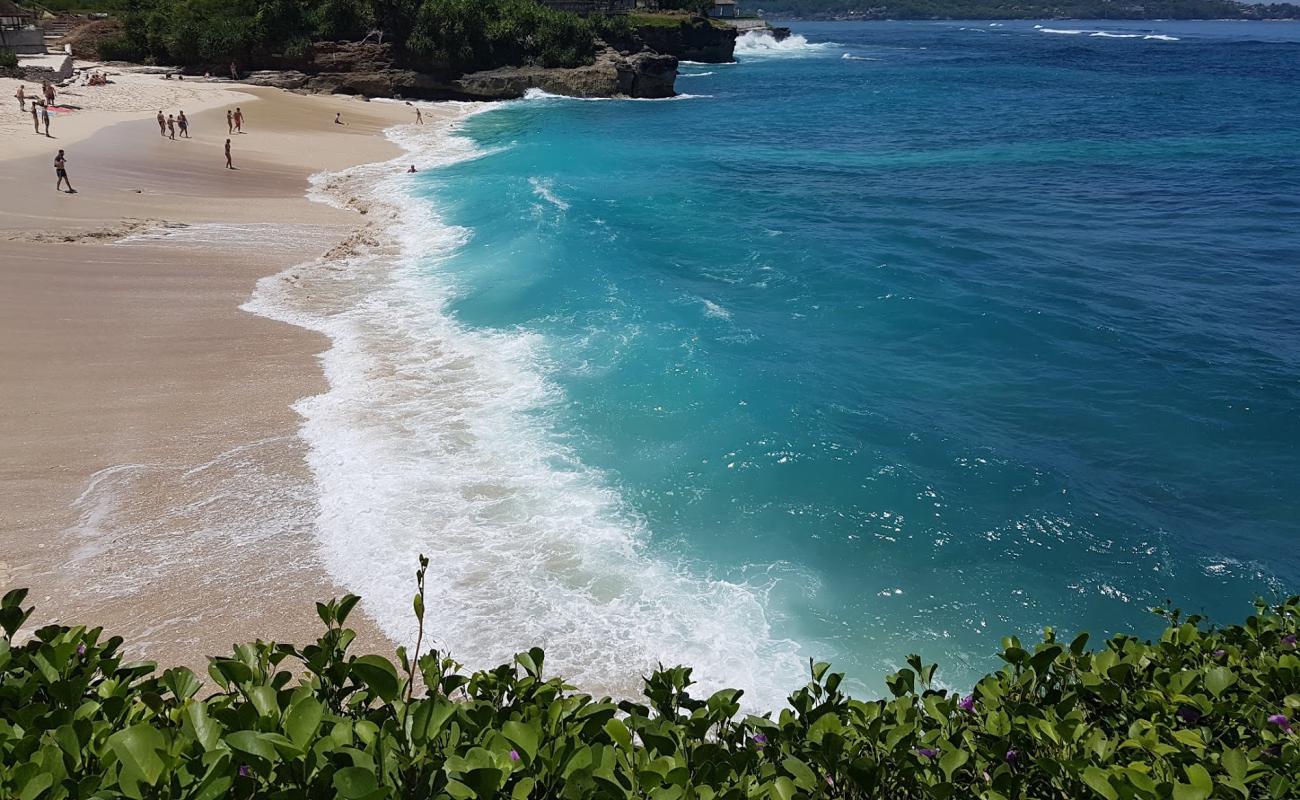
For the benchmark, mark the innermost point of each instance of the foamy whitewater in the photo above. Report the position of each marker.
(434, 439)
(898, 337)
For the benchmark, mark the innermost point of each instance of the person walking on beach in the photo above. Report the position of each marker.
(162, 123)
(49, 93)
(230, 121)
(338, 118)
(239, 120)
(171, 127)
(183, 124)
(36, 118)
(419, 118)
(21, 94)
(61, 170)
(229, 165)
(45, 118)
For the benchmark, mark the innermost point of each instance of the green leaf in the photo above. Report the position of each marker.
(523, 790)
(783, 789)
(619, 733)
(205, 730)
(1235, 763)
(253, 744)
(302, 720)
(1218, 679)
(804, 777)
(35, 785)
(523, 736)
(354, 783)
(137, 747)
(1096, 778)
(952, 761)
(379, 675)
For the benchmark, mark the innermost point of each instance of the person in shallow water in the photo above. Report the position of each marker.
(412, 169)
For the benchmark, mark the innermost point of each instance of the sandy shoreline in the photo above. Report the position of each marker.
(144, 418)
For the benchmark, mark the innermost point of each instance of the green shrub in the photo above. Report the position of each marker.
(8, 59)
(470, 35)
(1200, 713)
(120, 48)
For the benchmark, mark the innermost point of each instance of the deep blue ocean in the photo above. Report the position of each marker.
(923, 334)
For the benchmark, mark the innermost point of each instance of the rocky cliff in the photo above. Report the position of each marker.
(371, 70)
(692, 39)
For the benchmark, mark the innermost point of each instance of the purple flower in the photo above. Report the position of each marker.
(244, 771)
(830, 781)
(759, 740)
(1289, 640)
(1281, 721)
(81, 649)
(514, 755)
(1220, 654)
(925, 752)
(967, 703)
(1012, 757)
(1189, 715)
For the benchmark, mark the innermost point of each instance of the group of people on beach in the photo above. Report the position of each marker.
(48, 92)
(168, 126)
(40, 106)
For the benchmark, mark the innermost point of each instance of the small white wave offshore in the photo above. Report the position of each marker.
(763, 43)
(434, 438)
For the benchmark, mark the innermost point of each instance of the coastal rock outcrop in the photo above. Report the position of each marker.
(371, 70)
(694, 39)
(644, 74)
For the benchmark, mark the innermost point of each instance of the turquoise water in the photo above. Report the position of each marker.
(923, 334)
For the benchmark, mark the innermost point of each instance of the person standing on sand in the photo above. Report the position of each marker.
(234, 72)
(45, 117)
(162, 124)
(228, 164)
(230, 121)
(61, 170)
(184, 125)
(49, 93)
(171, 127)
(21, 94)
(239, 120)
(419, 118)
(36, 118)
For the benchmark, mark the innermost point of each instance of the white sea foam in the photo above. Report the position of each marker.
(694, 74)
(534, 95)
(544, 189)
(1161, 37)
(1109, 35)
(1063, 32)
(762, 43)
(851, 57)
(434, 438)
(714, 310)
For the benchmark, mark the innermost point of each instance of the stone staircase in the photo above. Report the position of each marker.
(55, 29)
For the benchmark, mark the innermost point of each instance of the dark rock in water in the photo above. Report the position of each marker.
(640, 75)
(779, 33)
(695, 39)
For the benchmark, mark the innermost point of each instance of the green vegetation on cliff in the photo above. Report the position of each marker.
(1200, 713)
(430, 35)
(1031, 9)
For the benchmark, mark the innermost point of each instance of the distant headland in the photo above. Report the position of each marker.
(1027, 9)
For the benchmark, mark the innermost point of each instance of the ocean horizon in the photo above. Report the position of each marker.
(887, 338)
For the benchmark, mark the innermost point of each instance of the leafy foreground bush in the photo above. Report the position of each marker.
(1201, 713)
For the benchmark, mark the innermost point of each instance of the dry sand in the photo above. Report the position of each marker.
(144, 418)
